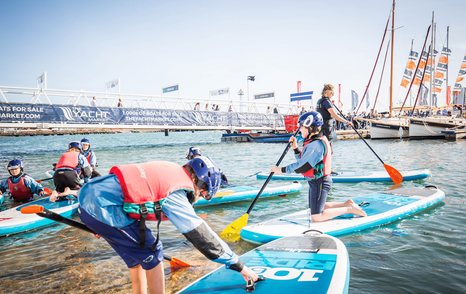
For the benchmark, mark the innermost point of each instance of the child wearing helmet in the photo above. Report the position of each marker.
(116, 207)
(68, 170)
(21, 186)
(194, 152)
(90, 156)
(315, 163)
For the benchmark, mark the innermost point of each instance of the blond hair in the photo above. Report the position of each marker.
(327, 87)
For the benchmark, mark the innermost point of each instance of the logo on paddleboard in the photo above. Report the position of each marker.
(148, 259)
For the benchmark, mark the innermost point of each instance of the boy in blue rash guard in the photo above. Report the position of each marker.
(21, 186)
(315, 163)
(107, 207)
(90, 156)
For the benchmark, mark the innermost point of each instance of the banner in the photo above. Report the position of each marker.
(354, 100)
(170, 89)
(68, 114)
(301, 96)
(219, 92)
(265, 95)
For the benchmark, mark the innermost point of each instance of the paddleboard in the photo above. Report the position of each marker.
(243, 193)
(381, 208)
(2, 198)
(12, 221)
(378, 176)
(309, 263)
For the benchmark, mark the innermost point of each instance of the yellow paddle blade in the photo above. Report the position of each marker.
(231, 233)
(394, 174)
(222, 193)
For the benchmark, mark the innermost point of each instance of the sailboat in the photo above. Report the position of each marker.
(391, 127)
(437, 126)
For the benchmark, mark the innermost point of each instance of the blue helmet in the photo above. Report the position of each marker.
(193, 151)
(74, 144)
(208, 176)
(85, 141)
(311, 119)
(14, 164)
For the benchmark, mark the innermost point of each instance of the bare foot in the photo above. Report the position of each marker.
(355, 209)
(349, 202)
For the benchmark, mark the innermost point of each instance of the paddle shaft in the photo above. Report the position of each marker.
(47, 179)
(270, 175)
(359, 134)
(61, 219)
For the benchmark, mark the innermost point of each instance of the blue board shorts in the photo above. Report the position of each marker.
(125, 242)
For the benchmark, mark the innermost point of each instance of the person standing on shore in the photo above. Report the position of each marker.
(325, 108)
(314, 162)
(117, 206)
(21, 186)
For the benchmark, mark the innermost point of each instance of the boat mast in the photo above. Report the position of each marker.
(447, 102)
(391, 57)
(431, 60)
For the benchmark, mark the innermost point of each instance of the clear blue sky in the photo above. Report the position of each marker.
(206, 45)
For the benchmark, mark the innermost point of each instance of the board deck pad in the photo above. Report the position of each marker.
(299, 264)
(243, 193)
(351, 177)
(381, 208)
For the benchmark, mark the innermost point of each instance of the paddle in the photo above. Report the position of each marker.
(43, 212)
(47, 179)
(394, 174)
(231, 232)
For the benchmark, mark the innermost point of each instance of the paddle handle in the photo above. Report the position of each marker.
(359, 134)
(271, 174)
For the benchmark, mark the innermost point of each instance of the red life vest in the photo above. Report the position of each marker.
(147, 183)
(68, 159)
(323, 167)
(19, 191)
(88, 157)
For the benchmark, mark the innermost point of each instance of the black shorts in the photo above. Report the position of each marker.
(66, 178)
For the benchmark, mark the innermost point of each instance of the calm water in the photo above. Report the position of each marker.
(422, 254)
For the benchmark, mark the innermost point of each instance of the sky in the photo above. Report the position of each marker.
(206, 45)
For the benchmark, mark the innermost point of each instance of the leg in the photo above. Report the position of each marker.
(347, 203)
(156, 279)
(138, 279)
(334, 212)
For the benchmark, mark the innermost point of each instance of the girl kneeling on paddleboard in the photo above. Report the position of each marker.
(117, 206)
(315, 163)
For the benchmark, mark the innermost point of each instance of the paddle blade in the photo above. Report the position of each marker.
(231, 233)
(394, 174)
(32, 209)
(176, 264)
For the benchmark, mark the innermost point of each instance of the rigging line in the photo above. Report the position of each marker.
(422, 79)
(376, 61)
(381, 76)
(417, 67)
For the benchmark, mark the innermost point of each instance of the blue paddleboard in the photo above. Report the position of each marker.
(381, 208)
(243, 193)
(12, 221)
(379, 176)
(309, 263)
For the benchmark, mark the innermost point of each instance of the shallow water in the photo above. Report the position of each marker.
(422, 254)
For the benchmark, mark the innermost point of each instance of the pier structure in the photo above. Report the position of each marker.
(54, 110)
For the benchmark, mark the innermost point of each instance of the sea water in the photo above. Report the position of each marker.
(422, 254)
